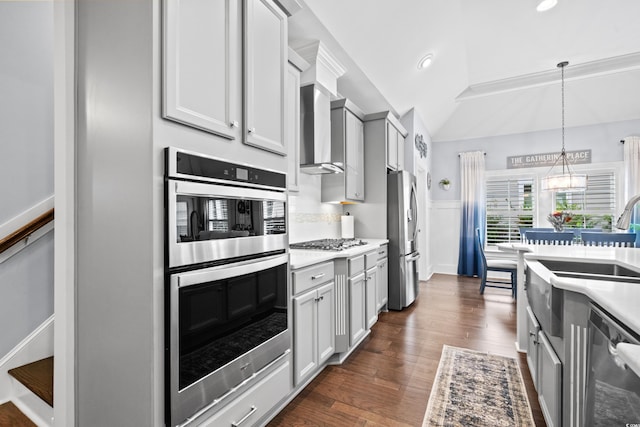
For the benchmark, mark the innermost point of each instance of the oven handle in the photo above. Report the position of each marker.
(213, 190)
(229, 270)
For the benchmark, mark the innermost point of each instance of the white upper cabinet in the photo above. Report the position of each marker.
(265, 56)
(202, 48)
(205, 85)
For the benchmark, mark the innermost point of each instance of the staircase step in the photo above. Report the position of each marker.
(11, 416)
(37, 377)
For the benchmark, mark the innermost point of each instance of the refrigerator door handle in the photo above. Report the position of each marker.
(415, 200)
(413, 257)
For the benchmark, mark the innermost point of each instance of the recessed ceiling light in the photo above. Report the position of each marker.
(425, 61)
(545, 5)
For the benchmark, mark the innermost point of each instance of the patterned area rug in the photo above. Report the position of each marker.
(477, 389)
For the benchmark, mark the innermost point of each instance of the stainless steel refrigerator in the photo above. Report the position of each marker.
(402, 230)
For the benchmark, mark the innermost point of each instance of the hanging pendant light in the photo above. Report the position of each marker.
(567, 180)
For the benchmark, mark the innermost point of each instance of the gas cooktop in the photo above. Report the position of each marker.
(328, 244)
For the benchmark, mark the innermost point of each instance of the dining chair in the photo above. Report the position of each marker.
(524, 230)
(549, 237)
(501, 265)
(622, 240)
(578, 232)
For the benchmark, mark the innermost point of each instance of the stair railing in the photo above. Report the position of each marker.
(35, 228)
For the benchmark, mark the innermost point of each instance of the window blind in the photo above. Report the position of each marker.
(593, 208)
(510, 205)
(274, 217)
(218, 215)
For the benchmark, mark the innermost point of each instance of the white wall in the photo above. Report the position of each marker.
(26, 160)
(603, 140)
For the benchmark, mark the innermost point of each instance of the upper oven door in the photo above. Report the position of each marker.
(210, 222)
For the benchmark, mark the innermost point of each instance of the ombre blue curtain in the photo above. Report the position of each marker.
(472, 216)
(632, 180)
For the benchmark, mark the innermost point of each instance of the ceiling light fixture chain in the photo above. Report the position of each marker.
(567, 181)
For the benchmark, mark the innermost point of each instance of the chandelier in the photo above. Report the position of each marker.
(567, 180)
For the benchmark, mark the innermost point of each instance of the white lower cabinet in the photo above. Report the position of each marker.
(382, 280)
(357, 311)
(371, 298)
(256, 402)
(549, 382)
(313, 319)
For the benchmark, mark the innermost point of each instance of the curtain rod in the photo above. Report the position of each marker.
(482, 153)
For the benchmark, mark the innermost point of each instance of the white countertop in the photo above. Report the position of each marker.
(299, 258)
(620, 299)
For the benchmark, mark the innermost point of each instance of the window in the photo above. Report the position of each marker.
(218, 215)
(510, 205)
(274, 217)
(593, 208)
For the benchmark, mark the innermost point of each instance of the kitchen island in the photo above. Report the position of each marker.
(566, 286)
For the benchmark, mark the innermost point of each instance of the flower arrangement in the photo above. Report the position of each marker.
(558, 219)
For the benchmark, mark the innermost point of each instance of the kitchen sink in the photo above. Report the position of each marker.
(592, 271)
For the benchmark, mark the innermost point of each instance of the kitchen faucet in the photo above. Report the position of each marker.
(625, 216)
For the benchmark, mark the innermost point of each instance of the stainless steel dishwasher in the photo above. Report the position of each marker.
(613, 388)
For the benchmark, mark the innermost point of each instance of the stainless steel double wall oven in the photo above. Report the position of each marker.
(226, 279)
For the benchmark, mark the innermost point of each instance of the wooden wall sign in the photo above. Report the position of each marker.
(547, 159)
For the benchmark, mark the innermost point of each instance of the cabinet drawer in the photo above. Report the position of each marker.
(310, 277)
(383, 251)
(370, 259)
(356, 265)
(256, 402)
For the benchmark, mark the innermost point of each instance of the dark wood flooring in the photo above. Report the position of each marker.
(387, 380)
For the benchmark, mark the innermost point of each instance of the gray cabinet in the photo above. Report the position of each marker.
(549, 382)
(347, 147)
(357, 309)
(533, 328)
(395, 146)
(265, 67)
(313, 319)
(214, 52)
(371, 277)
(382, 280)
(202, 54)
(292, 118)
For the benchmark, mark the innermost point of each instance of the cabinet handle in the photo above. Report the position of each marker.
(317, 276)
(320, 298)
(234, 124)
(251, 130)
(381, 253)
(237, 424)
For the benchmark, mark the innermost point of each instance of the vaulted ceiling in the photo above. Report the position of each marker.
(494, 70)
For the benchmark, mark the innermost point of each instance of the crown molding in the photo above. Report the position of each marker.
(597, 68)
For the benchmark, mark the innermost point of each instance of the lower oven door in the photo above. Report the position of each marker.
(224, 324)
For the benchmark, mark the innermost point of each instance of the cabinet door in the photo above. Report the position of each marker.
(392, 147)
(265, 55)
(371, 298)
(382, 282)
(357, 318)
(533, 327)
(202, 44)
(304, 335)
(292, 135)
(549, 382)
(354, 153)
(326, 326)
(400, 143)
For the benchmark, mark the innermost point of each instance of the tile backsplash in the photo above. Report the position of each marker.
(309, 219)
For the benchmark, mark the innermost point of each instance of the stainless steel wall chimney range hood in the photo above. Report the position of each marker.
(315, 117)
